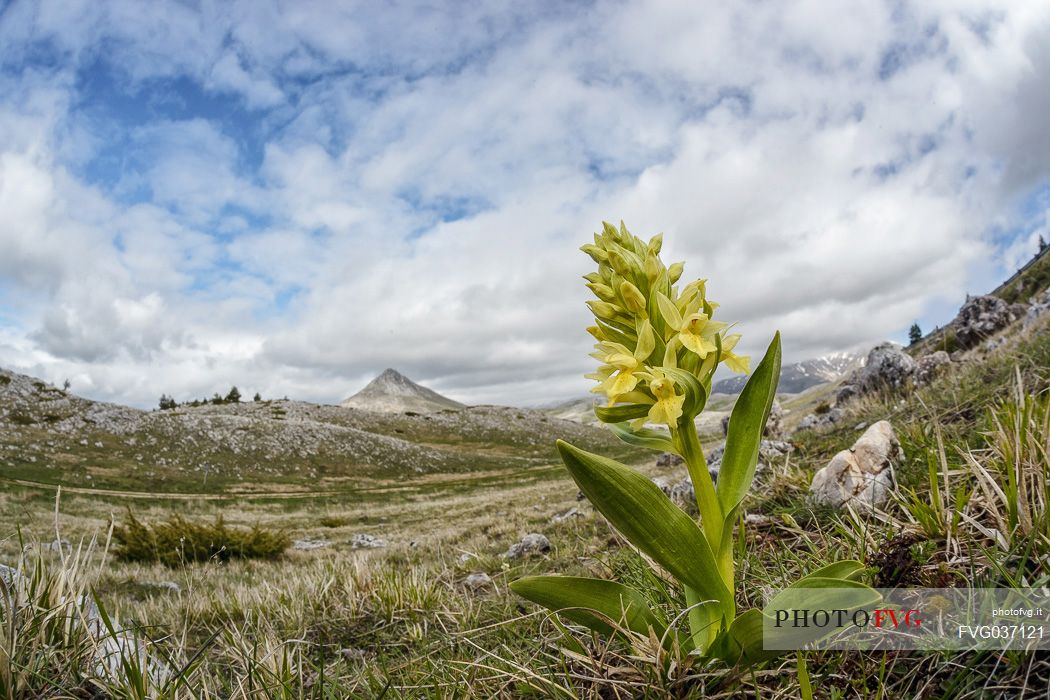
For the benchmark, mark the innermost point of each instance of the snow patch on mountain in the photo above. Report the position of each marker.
(800, 376)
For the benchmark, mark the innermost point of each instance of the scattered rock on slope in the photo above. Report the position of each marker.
(819, 421)
(669, 459)
(533, 543)
(930, 365)
(861, 475)
(981, 317)
(477, 581)
(680, 488)
(365, 541)
(887, 366)
(768, 450)
(1040, 306)
(569, 514)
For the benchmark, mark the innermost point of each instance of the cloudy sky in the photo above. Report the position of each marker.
(291, 197)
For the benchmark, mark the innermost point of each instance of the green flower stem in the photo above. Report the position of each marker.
(688, 444)
(712, 518)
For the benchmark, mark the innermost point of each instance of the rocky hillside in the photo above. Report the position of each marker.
(798, 377)
(578, 410)
(49, 435)
(393, 392)
(982, 327)
(1024, 296)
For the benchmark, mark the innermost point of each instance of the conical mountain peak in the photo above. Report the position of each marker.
(393, 392)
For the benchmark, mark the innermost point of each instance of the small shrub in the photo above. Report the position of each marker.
(4, 380)
(822, 408)
(21, 418)
(179, 541)
(333, 521)
(950, 342)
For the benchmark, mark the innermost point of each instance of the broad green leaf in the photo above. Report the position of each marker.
(859, 594)
(847, 569)
(744, 642)
(647, 518)
(705, 621)
(746, 424)
(643, 437)
(621, 413)
(598, 604)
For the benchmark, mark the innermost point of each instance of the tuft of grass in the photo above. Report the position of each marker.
(57, 639)
(1013, 470)
(179, 541)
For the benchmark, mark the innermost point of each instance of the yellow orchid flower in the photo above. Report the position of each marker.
(696, 331)
(668, 406)
(621, 367)
(738, 363)
(601, 376)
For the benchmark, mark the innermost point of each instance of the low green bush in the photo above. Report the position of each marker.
(179, 541)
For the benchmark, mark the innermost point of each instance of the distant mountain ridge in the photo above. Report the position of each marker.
(800, 376)
(393, 392)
